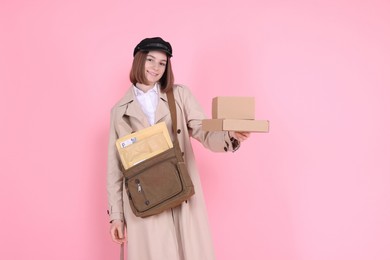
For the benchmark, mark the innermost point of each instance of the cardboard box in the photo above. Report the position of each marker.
(233, 108)
(235, 125)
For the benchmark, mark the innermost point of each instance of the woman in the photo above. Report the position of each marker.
(181, 233)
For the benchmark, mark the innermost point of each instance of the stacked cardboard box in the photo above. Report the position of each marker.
(234, 114)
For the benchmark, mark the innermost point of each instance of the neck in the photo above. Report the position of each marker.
(143, 87)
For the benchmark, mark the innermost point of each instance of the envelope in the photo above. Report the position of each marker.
(141, 145)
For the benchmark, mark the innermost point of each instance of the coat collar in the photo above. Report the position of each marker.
(130, 107)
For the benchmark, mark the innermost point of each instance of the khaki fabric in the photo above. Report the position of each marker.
(178, 234)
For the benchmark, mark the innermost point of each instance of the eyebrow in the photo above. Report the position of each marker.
(149, 55)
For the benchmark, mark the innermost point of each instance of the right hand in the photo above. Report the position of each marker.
(117, 231)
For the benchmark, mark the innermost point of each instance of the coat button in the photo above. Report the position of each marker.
(178, 131)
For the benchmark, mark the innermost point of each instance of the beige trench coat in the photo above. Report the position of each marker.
(181, 233)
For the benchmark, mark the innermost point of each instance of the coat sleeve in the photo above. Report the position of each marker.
(217, 141)
(114, 175)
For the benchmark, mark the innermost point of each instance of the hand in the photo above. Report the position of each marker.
(240, 136)
(117, 231)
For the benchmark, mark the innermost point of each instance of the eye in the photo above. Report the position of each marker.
(149, 59)
(163, 64)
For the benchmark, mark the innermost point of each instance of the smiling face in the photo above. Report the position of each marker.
(155, 64)
(151, 67)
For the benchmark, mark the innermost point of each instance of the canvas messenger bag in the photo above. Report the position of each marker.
(162, 181)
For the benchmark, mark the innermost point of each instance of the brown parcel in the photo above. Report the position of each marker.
(141, 145)
(235, 125)
(233, 108)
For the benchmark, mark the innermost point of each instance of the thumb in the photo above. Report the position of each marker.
(120, 232)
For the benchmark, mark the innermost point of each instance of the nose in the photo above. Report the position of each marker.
(156, 66)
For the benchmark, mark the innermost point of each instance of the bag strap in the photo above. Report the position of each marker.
(172, 109)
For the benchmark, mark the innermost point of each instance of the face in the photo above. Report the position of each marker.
(155, 64)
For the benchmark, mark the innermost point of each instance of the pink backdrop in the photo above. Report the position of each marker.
(317, 187)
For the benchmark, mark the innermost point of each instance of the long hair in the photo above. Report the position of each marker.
(137, 72)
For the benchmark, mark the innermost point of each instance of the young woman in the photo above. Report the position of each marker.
(181, 233)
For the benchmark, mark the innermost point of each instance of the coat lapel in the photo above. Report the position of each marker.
(134, 111)
(162, 110)
(131, 111)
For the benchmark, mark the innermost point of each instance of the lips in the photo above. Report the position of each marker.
(153, 74)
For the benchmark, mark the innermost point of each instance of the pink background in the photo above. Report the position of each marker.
(317, 187)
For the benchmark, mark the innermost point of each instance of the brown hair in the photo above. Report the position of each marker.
(137, 72)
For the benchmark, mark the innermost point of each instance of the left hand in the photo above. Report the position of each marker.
(118, 232)
(240, 136)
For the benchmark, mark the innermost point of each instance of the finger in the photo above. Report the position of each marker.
(245, 135)
(113, 233)
(115, 236)
(122, 237)
(120, 233)
(240, 134)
